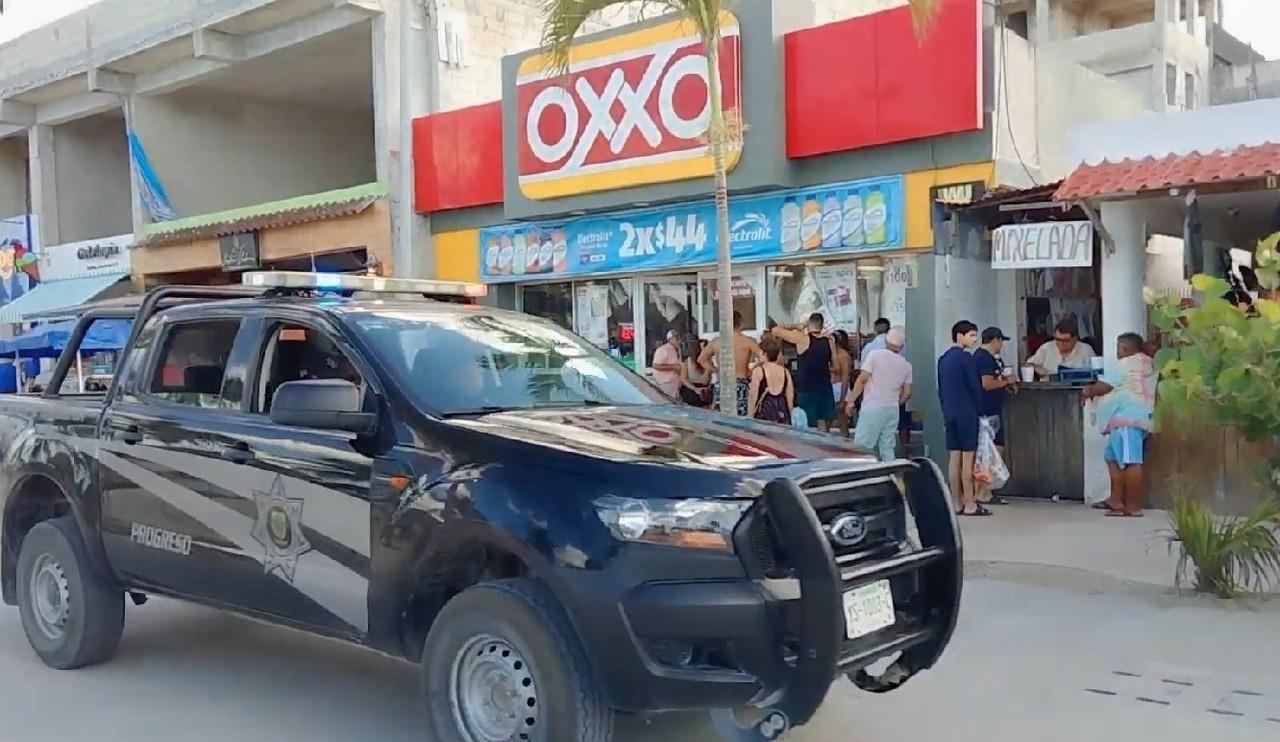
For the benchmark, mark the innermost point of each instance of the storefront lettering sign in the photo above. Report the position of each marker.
(239, 251)
(1043, 245)
(635, 110)
(841, 218)
(958, 194)
(106, 256)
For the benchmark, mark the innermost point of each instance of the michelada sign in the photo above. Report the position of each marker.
(1043, 245)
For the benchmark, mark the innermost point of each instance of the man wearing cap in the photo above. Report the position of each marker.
(666, 365)
(886, 381)
(997, 382)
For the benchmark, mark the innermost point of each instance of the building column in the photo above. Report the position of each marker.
(44, 183)
(1044, 23)
(400, 58)
(1193, 14)
(1124, 273)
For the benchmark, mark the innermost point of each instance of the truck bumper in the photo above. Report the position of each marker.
(778, 644)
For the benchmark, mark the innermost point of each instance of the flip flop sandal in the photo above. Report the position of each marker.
(996, 500)
(981, 512)
(1104, 505)
(1122, 514)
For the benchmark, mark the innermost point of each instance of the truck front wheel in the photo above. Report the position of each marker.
(71, 617)
(502, 662)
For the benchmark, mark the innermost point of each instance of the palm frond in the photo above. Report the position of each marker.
(1225, 555)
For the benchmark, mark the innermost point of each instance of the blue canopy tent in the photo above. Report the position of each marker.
(48, 341)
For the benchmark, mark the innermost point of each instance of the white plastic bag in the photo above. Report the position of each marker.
(799, 418)
(1097, 482)
(988, 468)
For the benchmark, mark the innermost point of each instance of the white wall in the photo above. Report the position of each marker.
(214, 152)
(13, 177)
(91, 161)
(487, 31)
(21, 16)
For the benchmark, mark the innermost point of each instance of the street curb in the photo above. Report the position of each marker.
(1090, 582)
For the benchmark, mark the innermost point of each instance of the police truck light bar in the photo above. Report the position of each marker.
(376, 284)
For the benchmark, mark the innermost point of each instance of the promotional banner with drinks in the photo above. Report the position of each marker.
(807, 223)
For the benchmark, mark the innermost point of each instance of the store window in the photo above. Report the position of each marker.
(745, 290)
(553, 301)
(604, 315)
(670, 304)
(797, 290)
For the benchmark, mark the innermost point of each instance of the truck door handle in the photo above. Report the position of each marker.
(240, 454)
(130, 435)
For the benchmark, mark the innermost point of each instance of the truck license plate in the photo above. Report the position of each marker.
(868, 609)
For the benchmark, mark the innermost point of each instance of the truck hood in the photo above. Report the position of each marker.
(670, 434)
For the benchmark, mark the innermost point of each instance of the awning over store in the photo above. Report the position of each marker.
(1130, 176)
(48, 297)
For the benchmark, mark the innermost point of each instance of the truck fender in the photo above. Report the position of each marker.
(86, 524)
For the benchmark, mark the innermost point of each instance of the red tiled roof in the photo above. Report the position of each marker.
(1172, 171)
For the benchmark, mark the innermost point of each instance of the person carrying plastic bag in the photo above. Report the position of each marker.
(989, 470)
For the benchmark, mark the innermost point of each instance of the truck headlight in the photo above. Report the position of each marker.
(695, 524)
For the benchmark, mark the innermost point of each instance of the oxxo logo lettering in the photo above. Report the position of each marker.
(634, 109)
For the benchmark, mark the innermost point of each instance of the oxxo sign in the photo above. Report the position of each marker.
(634, 110)
(1043, 245)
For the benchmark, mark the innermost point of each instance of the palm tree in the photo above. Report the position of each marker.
(563, 19)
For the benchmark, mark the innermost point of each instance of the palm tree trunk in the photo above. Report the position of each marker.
(724, 282)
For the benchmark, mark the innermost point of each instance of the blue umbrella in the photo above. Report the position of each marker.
(48, 341)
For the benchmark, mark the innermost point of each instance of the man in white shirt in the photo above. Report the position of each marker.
(886, 381)
(666, 365)
(1066, 351)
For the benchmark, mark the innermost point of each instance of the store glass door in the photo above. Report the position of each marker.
(670, 303)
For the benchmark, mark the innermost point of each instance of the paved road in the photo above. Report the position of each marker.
(1020, 668)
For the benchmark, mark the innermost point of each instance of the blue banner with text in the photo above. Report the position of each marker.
(801, 224)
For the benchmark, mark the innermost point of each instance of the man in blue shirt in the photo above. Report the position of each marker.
(960, 393)
(996, 383)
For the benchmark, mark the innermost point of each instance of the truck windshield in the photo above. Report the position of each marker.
(460, 363)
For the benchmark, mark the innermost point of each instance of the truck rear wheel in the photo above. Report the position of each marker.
(70, 616)
(502, 662)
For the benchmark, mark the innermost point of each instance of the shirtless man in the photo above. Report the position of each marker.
(745, 351)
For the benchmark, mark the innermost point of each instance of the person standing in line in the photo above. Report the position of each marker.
(666, 365)
(961, 397)
(876, 343)
(1126, 397)
(841, 380)
(694, 382)
(997, 382)
(886, 381)
(745, 351)
(815, 355)
(772, 393)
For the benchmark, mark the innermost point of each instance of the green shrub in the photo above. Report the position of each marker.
(1224, 556)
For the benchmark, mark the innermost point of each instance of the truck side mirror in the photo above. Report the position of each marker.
(325, 404)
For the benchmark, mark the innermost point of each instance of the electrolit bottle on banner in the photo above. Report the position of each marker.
(520, 256)
(832, 218)
(851, 231)
(492, 252)
(506, 255)
(790, 226)
(559, 251)
(535, 242)
(875, 220)
(545, 252)
(811, 224)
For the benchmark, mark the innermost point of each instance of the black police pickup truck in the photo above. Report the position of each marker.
(474, 490)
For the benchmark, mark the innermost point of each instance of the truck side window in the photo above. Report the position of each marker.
(296, 353)
(193, 362)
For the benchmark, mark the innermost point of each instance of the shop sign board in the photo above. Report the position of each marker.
(806, 224)
(958, 194)
(1043, 245)
(633, 110)
(239, 251)
(107, 256)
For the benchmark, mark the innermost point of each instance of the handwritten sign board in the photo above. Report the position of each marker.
(1043, 245)
(239, 251)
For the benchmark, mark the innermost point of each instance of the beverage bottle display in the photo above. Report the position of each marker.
(491, 254)
(506, 255)
(520, 256)
(811, 224)
(851, 231)
(545, 252)
(534, 242)
(875, 219)
(790, 226)
(560, 251)
(832, 219)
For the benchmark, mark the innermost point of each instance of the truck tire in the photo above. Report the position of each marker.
(502, 662)
(72, 618)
